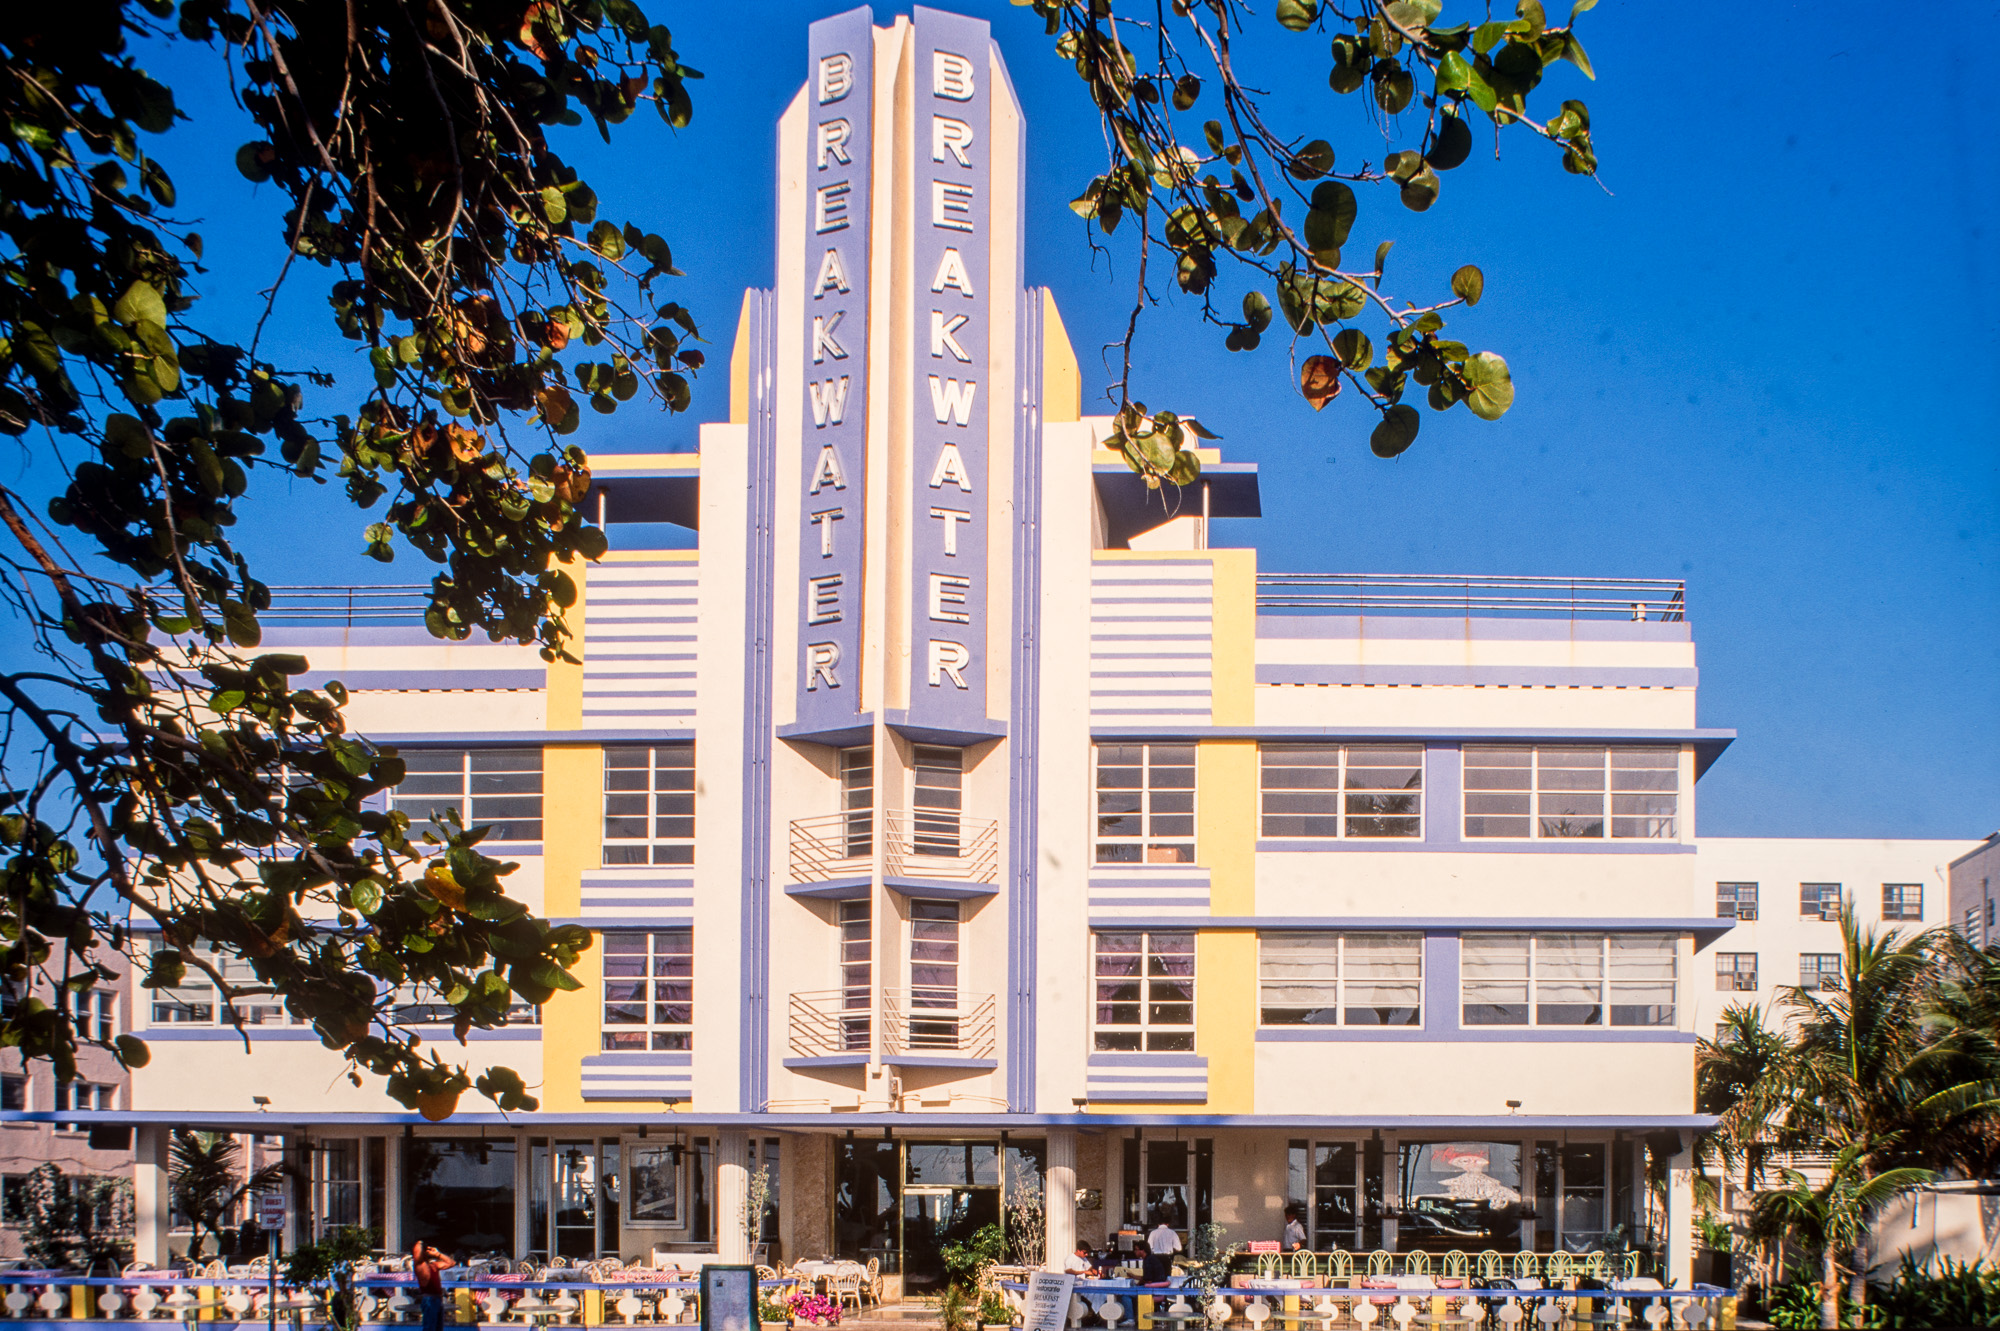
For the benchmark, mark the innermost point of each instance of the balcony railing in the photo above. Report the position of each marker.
(920, 1022)
(1482, 595)
(349, 606)
(926, 844)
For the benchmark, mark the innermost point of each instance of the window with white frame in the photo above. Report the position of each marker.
(93, 1012)
(1902, 901)
(1567, 979)
(417, 1004)
(1819, 970)
(1327, 979)
(1736, 972)
(649, 990)
(195, 1001)
(497, 788)
(1341, 790)
(857, 973)
(83, 1095)
(1324, 1182)
(1145, 804)
(649, 804)
(1568, 791)
(1819, 901)
(1736, 901)
(1145, 992)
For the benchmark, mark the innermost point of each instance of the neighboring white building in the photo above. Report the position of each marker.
(1975, 892)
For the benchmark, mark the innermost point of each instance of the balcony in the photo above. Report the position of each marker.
(945, 1028)
(1636, 599)
(958, 856)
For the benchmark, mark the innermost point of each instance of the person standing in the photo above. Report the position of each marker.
(1295, 1231)
(428, 1265)
(1163, 1241)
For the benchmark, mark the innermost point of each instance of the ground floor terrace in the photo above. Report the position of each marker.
(897, 1189)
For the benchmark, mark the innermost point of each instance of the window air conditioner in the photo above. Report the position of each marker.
(1746, 911)
(1830, 911)
(1746, 982)
(1829, 980)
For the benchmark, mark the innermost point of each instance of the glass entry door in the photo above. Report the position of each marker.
(934, 1217)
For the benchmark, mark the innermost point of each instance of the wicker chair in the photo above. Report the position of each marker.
(1417, 1263)
(1381, 1262)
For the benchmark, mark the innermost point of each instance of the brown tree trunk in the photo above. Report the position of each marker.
(1829, 1291)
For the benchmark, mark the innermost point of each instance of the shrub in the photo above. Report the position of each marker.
(1957, 1294)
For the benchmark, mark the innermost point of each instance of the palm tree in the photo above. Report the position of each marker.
(1963, 1016)
(1738, 1078)
(1829, 1221)
(202, 1171)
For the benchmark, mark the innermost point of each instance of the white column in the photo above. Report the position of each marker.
(524, 1195)
(150, 1194)
(1059, 1198)
(732, 1195)
(392, 1194)
(1392, 1187)
(1680, 1218)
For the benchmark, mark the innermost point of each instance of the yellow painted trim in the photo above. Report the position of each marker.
(1233, 668)
(572, 785)
(651, 556)
(611, 464)
(565, 680)
(1225, 1017)
(739, 367)
(570, 1030)
(1062, 381)
(1225, 825)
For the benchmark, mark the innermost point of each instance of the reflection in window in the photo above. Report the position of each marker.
(1145, 804)
(497, 788)
(1145, 992)
(462, 1192)
(1463, 1195)
(649, 804)
(1323, 1185)
(1324, 979)
(1565, 791)
(1567, 979)
(1333, 790)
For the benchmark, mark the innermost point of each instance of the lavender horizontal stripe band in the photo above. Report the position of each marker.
(1137, 1059)
(633, 878)
(385, 681)
(1552, 846)
(1585, 676)
(627, 1058)
(1457, 924)
(1150, 674)
(1379, 628)
(1476, 1035)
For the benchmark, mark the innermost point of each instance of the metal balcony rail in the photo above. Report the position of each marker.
(828, 1021)
(1660, 599)
(937, 1022)
(395, 603)
(925, 844)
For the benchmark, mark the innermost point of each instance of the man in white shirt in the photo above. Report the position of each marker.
(1078, 1263)
(1295, 1232)
(1163, 1240)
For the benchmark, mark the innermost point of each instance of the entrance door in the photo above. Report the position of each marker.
(934, 1217)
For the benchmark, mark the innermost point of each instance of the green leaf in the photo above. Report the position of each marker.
(1533, 15)
(1397, 431)
(1298, 15)
(1468, 283)
(366, 895)
(1256, 311)
(1421, 190)
(1382, 255)
(1393, 87)
(1579, 7)
(141, 302)
(1335, 201)
(1490, 385)
(253, 161)
(132, 1051)
(1312, 161)
(1353, 348)
(1574, 53)
(1452, 145)
(1453, 74)
(1487, 36)
(553, 206)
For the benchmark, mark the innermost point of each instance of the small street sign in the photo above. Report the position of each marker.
(271, 1211)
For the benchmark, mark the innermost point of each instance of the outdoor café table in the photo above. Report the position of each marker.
(1530, 1309)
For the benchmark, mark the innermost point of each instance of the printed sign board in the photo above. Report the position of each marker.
(729, 1298)
(270, 1211)
(1048, 1301)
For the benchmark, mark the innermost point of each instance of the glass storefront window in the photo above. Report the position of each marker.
(1583, 1201)
(867, 1202)
(1464, 1195)
(575, 1195)
(975, 1163)
(462, 1193)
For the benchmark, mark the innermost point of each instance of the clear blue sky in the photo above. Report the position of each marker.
(1766, 361)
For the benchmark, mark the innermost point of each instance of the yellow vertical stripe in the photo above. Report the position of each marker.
(1226, 963)
(1234, 649)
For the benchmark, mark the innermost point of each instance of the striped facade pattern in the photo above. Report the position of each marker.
(1146, 1078)
(639, 897)
(1152, 631)
(639, 645)
(1147, 891)
(637, 1076)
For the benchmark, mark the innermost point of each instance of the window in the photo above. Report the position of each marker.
(13, 1092)
(195, 1002)
(94, 1012)
(1902, 901)
(1323, 1183)
(933, 975)
(1145, 992)
(1819, 970)
(649, 990)
(1819, 901)
(1333, 790)
(1736, 901)
(417, 1004)
(1736, 972)
(649, 804)
(1972, 924)
(83, 1095)
(938, 798)
(500, 788)
(1325, 979)
(1145, 804)
(857, 973)
(1567, 979)
(857, 800)
(1552, 791)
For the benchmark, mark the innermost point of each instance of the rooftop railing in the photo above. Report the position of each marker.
(349, 607)
(1637, 599)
